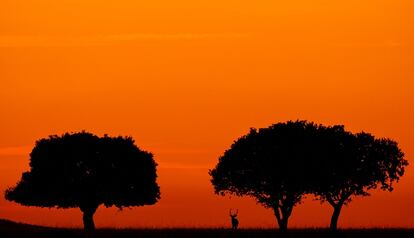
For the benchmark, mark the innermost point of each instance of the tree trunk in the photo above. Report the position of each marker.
(277, 215)
(335, 217)
(88, 223)
(88, 212)
(283, 225)
(282, 220)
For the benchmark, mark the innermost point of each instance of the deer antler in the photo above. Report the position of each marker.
(233, 213)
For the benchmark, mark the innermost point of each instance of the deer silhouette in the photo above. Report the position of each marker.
(234, 220)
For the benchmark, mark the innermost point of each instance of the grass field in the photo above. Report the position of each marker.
(10, 229)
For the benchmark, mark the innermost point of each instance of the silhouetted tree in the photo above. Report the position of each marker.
(269, 164)
(351, 165)
(280, 164)
(85, 171)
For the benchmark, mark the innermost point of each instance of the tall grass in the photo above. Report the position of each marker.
(15, 230)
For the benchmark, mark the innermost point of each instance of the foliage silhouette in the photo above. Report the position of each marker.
(270, 165)
(83, 170)
(353, 164)
(280, 164)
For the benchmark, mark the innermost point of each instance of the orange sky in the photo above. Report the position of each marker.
(186, 78)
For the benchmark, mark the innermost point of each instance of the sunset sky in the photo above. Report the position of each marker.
(187, 78)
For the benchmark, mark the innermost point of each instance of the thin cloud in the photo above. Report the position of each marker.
(15, 150)
(169, 165)
(66, 41)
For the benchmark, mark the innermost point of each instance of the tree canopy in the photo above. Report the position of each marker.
(84, 170)
(353, 164)
(269, 164)
(280, 164)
